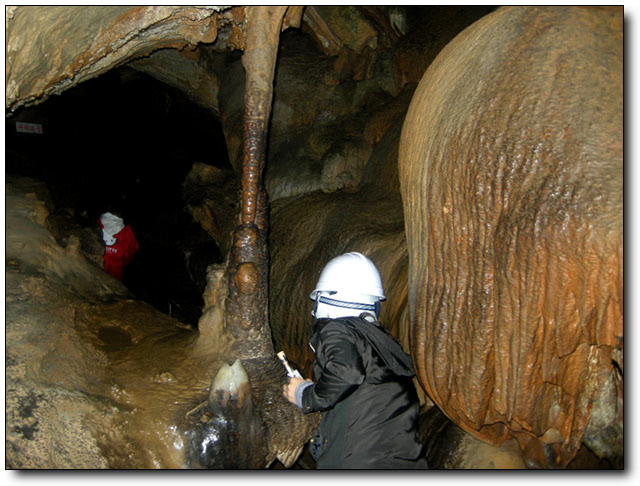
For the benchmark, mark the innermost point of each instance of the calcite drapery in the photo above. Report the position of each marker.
(512, 181)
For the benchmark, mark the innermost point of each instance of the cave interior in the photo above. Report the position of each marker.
(125, 141)
(143, 137)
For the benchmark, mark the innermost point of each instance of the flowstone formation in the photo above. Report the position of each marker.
(311, 103)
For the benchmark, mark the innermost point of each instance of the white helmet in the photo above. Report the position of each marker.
(348, 286)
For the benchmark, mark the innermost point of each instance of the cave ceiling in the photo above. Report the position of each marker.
(46, 52)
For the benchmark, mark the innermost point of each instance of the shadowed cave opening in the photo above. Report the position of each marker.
(125, 142)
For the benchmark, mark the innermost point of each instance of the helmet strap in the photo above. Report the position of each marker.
(348, 305)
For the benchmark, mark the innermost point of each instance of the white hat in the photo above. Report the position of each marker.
(111, 225)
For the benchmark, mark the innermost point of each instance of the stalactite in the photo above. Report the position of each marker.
(247, 303)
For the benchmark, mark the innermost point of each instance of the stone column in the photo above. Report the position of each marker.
(247, 303)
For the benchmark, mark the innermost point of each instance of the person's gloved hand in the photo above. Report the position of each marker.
(289, 390)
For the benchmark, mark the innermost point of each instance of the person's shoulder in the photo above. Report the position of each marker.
(334, 328)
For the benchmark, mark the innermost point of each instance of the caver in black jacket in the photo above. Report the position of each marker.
(365, 391)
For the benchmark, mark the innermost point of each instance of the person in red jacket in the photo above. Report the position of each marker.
(121, 244)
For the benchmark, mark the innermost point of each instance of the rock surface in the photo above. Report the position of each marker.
(343, 84)
(98, 379)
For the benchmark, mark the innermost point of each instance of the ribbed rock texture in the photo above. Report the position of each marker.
(511, 170)
(498, 235)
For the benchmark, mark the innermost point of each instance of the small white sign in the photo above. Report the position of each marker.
(24, 127)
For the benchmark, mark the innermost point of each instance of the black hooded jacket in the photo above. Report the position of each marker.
(365, 391)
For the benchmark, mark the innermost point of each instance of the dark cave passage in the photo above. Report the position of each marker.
(125, 142)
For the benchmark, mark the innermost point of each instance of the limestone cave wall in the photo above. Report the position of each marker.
(345, 77)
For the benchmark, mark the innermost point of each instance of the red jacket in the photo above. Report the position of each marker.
(121, 253)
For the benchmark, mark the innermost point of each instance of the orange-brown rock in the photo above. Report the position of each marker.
(515, 235)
